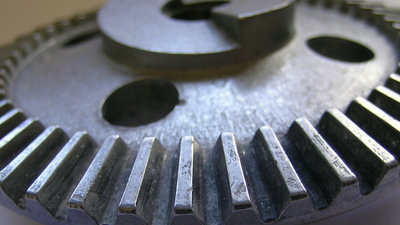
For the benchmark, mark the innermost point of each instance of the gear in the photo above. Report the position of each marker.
(293, 171)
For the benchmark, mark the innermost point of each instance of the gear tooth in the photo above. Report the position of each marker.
(335, 180)
(372, 164)
(378, 124)
(83, 18)
(393, 82)
(235, 203)
(15, 141)
(311, 2)
(17, 176)
(43, 34)
(350, 6)
(3, 88)
(136, 205)
(366, 10)
(62, 25)
(288, 193)
(10, 120)
(3, 93)
(94, 200)
(12, 59)
(8, 66)
(4, 76)
(387, 100)
(47, 197)
(391, 26)
(24, 48)
(5, 106)
(38, 38)
(187, 207)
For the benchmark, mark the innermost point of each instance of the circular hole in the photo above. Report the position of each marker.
(340, 49)
(140, 102)
(192, 11)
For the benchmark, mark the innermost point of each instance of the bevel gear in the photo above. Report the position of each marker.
(279, 167)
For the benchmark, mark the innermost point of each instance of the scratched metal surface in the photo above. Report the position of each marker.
(293, 82)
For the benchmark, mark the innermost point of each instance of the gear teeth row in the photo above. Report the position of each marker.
(281, 178)
(54, 178)
(17, 139)
(5, 106)
(48, 194)
(10, 120)
(373, 164)
(96, 198)
(333, 180)
(387, 100)
(378, 124)
(118, 179)
(393, 82)
(17, 176)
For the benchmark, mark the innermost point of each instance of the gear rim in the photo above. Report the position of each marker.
(11, 63)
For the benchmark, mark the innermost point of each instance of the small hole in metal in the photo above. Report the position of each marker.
(340, 49)
(140, 102)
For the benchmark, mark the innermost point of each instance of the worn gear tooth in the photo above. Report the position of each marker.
(187, 207)
(15, 141)
(10, 120)
(137, 203)
(378, 124)
(235, 203)
(393, 82)
(387, 100)
(19, 174)
(335, 180)
(289, 195)
(95, 199)
(47, 197)
(373, 164)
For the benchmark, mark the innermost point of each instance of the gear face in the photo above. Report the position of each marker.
(271, 139)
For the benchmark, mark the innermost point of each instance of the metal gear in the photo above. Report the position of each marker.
(294, 171)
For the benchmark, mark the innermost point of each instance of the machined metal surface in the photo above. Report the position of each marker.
(273, 140)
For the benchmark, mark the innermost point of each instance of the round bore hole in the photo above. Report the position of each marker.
(140, 102)
(190, 11)
(340, 49)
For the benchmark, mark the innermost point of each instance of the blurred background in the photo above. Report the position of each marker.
(18, 17)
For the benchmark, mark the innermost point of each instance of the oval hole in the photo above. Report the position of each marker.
(340, 49)
(140, 102)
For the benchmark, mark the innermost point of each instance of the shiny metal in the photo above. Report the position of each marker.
(138, 34)
(262, 143)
